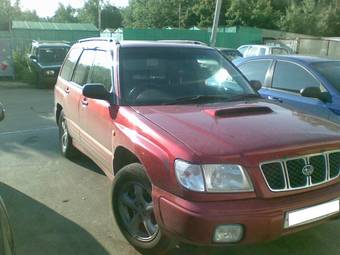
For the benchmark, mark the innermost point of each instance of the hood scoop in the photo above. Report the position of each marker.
(239, 111)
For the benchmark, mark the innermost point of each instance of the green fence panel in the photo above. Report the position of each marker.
(165, 34)
(231, 37)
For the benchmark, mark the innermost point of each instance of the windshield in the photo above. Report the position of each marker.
(52, 56)
(165, 75)
(331, 71)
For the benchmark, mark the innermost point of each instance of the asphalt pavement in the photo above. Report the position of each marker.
(58, 206)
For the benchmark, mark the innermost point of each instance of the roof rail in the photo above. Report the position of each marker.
(104, 39)
(183, 41)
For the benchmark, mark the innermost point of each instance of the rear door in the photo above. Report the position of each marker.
(74, 92)
(287, 81)
(95, 115)
(67, 93)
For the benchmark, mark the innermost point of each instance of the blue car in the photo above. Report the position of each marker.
(307, 84)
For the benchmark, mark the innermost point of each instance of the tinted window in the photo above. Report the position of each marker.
(101, 71)
(331, 71)
(52, 56)
(291, 77)
(256, 70)
(279, 51)
(166, 74)
(70, 62)
(83, 67)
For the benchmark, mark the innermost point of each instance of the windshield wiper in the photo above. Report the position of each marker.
(209, 98)
(197, 99)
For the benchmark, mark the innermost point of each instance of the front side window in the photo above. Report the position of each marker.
(331, 71)
(292, 77)
(101, 70)
(256, 70)
(165, 75)
(70, 62)
(83, 67)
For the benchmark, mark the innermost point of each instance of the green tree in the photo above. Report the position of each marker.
(5, 14)
(256, 13)
(111, 17)
(65, 14)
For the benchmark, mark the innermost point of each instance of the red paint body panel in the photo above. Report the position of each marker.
(158, 135)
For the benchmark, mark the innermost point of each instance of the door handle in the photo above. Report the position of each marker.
(84, 102)
(275, 99)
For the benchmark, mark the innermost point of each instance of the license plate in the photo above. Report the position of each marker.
(311, 214)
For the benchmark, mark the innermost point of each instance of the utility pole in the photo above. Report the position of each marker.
(99, 16)
(179, 14)
(215, 25)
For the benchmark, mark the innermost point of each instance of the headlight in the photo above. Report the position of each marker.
(226, 178)
(213, 178)
(190, 176)
(50, 72)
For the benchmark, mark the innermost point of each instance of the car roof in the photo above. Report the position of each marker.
(230, 49)
(50, 44)
(294, 58)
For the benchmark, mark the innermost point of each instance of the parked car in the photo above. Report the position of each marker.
(186, 140)
(307, 84)
(6, 236)
(45, 60)
(261, 50)
(230, 54)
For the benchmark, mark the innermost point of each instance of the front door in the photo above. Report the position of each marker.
(288, 80)
(95, 117)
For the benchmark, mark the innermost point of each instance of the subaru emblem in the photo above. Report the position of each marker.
(307, 170)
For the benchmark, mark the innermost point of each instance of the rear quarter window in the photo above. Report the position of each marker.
(69, 64)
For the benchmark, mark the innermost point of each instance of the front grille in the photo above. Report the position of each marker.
(296, 173)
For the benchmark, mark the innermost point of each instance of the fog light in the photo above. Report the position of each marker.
(228, 234)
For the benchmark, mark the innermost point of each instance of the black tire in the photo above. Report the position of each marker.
(65, 140)
(131, 199)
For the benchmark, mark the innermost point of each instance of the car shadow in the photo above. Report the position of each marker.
(40, 230)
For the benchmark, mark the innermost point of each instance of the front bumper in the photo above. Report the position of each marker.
(262, 219)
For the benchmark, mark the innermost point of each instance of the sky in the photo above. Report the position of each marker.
(46, 8)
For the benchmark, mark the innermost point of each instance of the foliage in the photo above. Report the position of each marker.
(21, 66)
(315, 17)
(65, 14)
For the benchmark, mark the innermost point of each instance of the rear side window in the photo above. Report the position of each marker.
(292, 77)
(70, 62)
(101, 70)
(83, 67)
(256, 70)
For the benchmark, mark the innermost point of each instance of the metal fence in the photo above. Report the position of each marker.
(310, 46)
(230, 38)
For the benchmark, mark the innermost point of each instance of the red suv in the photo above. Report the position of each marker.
(194, 153)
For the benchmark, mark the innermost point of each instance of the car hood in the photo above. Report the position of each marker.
(239, 127)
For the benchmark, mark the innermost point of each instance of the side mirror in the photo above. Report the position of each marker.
(2, 112)
(315, 92)
(33, 58)
(96, 91)
(256, 85)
